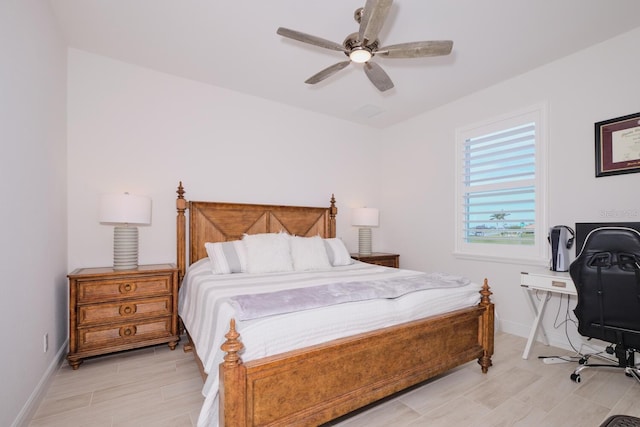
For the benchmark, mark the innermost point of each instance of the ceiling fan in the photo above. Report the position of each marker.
(360, 47)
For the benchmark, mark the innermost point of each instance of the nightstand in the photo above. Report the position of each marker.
(113, 310)
(379, 258)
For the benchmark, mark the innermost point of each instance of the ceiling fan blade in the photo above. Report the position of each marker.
(307, 38)
(329, 71)
(416, 49)
(378, 77)
(373, 16)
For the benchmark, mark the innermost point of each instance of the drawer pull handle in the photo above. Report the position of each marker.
(127, 310)
(558, 284)
(127, 287)
(127, 331)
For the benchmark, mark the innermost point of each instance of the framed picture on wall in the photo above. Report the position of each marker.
(618, 145)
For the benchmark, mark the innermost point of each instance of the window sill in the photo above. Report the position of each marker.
(538, 262)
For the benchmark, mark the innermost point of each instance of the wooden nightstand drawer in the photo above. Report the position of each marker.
(127, 310)
(386, 262)
(111, 289)
(113, 336)
(379, 258)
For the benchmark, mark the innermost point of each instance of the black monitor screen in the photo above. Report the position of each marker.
(584, 228)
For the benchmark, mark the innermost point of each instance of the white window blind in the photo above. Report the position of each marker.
(499, 173)
(500, 191)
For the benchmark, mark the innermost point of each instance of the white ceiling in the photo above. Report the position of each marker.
(233, 44)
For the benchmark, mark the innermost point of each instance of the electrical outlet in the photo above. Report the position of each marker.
(46, 342)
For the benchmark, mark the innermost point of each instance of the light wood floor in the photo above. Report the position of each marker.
(159, 387)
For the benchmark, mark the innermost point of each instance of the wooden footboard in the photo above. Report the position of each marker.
(316, 384)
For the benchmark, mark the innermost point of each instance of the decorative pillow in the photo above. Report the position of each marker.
(337, 252)
(268, 252)
(227, 257)
(309, 253)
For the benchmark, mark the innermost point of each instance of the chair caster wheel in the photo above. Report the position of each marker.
(575, 378)
(582, 361)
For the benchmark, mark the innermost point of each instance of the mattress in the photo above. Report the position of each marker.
(206, 308)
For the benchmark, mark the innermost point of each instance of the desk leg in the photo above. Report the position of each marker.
(538, 313)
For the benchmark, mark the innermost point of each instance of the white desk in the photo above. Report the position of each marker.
(544, 281)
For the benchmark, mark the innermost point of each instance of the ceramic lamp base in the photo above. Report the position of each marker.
(125, 248)
(364, 241)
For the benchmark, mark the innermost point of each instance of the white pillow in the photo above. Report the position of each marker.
(309, 253)
(227, 257)
(268, 252)
(337, 252)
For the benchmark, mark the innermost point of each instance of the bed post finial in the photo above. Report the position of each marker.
(180, 191)
(333, 211)
(485, 293)
(232, 346)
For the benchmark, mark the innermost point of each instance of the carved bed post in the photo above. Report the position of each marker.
(333, 211)
(486, 326)
(181, 206)
(233, 386)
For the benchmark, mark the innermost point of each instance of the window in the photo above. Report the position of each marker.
(500, 207)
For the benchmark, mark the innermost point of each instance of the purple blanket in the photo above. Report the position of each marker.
(286, 301)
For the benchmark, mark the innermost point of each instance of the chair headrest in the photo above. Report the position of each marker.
(611, 239)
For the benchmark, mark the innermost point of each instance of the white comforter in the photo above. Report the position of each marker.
(206, 313)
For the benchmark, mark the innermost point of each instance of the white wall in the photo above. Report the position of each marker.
(137, 130)
(33, 248)
(593, 85)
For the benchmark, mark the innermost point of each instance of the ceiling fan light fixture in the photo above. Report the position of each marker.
(360, 55)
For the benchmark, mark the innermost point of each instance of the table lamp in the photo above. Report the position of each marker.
(125, 211)
(365, 218)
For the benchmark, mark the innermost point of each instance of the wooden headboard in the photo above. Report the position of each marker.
(221, 222)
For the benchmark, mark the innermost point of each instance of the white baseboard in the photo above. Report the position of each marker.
(31, 406)
(556, 338)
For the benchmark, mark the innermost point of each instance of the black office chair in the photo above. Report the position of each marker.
(606, 273)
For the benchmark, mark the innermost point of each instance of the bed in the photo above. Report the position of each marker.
(314, 379)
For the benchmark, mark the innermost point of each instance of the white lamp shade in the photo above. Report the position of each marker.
(365, 217)
(125, 209)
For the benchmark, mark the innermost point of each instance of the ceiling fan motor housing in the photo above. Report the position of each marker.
(355, 48)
